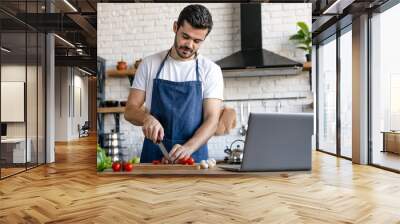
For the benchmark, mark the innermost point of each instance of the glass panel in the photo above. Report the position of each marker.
(31, 98)
(23, 88)
(327, 97)
(346, 94)
(13, 85)
(41, 98)
(386, 89)
(31, 86)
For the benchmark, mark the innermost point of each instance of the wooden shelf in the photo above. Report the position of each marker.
(307, 66)
(108, 110)
(121, 73)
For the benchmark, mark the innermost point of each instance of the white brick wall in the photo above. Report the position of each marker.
(132, 31)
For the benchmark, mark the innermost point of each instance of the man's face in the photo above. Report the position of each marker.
(188, 39)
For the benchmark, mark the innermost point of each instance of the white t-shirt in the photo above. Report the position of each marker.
(179, 71)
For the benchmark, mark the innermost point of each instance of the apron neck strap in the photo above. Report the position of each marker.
(162, 64)
(165, 58)
(197, 69)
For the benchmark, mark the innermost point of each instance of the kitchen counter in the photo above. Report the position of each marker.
(163, 170)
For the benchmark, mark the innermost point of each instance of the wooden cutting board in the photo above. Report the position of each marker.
(150, 166)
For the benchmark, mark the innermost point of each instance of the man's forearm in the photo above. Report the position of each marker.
(135, 115)
(203, 134)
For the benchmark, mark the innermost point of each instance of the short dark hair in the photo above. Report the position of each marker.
(197, 16)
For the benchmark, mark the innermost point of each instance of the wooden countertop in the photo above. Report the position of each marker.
(215, 171)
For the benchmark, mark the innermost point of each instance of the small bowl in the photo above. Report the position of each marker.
(122, 103)
(122, 65)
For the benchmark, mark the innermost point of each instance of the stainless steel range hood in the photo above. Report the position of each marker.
(252, 55)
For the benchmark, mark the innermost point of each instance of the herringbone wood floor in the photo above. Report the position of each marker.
(70, 191)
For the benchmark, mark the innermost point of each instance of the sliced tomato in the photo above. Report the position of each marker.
(156, 162)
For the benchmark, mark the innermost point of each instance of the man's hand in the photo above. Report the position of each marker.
(164, 160)
(152, 129)
(179, 152)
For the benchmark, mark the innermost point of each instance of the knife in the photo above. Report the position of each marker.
(164, 151)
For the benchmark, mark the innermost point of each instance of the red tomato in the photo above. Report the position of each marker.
(156, 162)
(182, 161)
(190, 161)
(128, 167)
(116, 166)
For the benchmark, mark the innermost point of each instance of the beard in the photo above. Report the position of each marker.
(183, 51)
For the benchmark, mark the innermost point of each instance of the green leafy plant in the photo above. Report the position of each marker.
(303, 38)
(103, 161)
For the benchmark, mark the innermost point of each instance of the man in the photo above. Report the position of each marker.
(182, 91)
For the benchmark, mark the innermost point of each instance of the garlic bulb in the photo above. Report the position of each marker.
(203, 164)
(211, 163)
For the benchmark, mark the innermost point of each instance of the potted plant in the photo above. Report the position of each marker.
(303, 39)
(122, 65)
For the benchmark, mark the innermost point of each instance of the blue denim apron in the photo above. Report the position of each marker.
(178, 106)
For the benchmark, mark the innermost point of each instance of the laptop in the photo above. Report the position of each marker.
(276, 142)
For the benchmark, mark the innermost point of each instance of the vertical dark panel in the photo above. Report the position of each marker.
(60, 86)
(47, 5)
(316, 96)
(69, 93)
(1, 163)
(45, 95)
(80, 102)
(73, 91)
(338, 72)
(369, 78)
(25, 89)
(37, 91)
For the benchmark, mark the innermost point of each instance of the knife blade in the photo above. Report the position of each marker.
(164, 151)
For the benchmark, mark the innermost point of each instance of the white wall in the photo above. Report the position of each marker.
(17, 73)
(67, 80)
(133, 31)
(61, 103)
